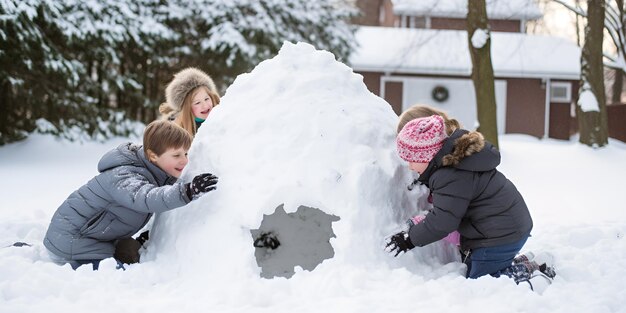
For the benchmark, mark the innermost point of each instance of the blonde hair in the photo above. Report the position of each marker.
(419, 111)
(161, 135)
(184, 118)
(166, 111)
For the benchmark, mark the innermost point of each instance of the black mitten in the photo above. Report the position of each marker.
(127, 251)
(267, 240)
(399, 243)
(143, 237)
(201, 184)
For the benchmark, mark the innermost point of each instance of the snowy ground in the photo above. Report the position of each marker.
(312, 135)
(575, 195)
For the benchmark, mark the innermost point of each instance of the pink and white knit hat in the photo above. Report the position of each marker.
(420, 139)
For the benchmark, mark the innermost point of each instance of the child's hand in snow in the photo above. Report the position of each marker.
(399, 243)
(201, 184)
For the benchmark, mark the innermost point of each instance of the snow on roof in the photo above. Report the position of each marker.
(496, 9)
(445, 52)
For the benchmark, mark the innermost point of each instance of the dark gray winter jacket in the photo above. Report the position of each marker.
(471, 196)
(113, 205)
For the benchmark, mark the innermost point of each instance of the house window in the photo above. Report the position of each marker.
(561, 92)
(408, 21)
(417, 22)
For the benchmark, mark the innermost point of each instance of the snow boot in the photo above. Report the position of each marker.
(539, 283)
(526, 257)
(546, 263)
(543, 260)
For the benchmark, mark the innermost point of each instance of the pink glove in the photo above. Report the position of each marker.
(452, 238)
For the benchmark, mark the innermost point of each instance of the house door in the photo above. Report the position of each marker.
(454, 96)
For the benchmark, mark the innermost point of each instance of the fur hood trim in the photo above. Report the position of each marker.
(465, 146)
(183, 82)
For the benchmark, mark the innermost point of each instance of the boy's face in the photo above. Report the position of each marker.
(201, 104)
(418, 167)
(172, 161)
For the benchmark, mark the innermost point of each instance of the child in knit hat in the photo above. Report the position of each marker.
(469, 195)
(451, 124)
(189, 97)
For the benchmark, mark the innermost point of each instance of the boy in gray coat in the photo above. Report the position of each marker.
(134, 183)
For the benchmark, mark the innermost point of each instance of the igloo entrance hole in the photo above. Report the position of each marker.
(285, 240)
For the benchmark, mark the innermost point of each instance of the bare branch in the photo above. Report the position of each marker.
(577, 10)
(614, 25)
(612, 58)
(613, 32)
(612, 15)
(612, 62)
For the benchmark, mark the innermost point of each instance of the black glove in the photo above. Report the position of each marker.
(267, 240)
(127, 251)
(201, 184)
(399, 242)
(143, 237)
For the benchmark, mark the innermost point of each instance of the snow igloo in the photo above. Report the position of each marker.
(304, 153)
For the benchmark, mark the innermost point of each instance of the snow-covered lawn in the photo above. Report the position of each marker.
(576, 197)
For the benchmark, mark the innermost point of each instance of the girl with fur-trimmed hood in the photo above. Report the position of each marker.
(189, 97)
(468, 195)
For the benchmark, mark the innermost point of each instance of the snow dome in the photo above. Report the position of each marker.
(304, 153)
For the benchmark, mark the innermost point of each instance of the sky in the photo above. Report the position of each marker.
(561, 22)
(313, 135)
(557, 21)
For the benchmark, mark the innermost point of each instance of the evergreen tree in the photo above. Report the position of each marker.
(227, 38)
(48, 82)
(36, 77)
(77, 68)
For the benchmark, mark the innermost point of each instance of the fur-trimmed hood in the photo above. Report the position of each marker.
(468, 145)
(183, 82)
(464, 150)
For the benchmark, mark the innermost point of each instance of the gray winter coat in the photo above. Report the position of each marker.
(471, 196)
(115, 204)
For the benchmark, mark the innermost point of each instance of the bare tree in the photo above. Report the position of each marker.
(607, 15)
(614, 23)
(618, 83)
(591, 109)
(479, 40)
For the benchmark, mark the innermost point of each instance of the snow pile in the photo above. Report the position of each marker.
(300, 129)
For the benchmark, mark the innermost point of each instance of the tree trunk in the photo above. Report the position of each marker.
(6, 127)
(618, 83)
(482, 70)
(578, 39)
(617, 86)
(592, 120)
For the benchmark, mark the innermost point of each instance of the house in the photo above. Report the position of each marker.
(416, 51)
